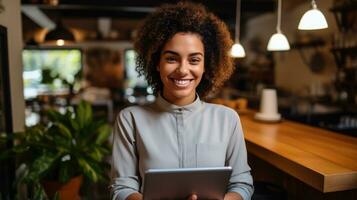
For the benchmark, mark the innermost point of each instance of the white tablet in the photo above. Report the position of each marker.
(206, 183)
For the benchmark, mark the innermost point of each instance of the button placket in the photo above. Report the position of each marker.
(180, 137)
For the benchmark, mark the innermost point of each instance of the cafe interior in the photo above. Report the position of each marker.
(68, 67)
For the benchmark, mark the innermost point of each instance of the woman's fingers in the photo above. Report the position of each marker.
(193, 197)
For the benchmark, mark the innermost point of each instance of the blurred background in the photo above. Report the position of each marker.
(63, 51)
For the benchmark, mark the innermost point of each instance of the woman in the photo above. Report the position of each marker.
(183, 52)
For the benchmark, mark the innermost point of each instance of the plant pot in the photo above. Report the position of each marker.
(66, 191)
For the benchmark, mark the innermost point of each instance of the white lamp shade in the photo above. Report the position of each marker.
(278, 42)
(237, 51)
(60, 42)
(312, 20)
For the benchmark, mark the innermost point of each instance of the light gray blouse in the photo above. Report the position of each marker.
(163, 135)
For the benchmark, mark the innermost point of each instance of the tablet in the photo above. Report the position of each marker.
(206, 183)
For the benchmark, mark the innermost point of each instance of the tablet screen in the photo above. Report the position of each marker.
(206, 183)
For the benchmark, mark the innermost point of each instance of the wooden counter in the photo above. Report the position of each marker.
(322, 159)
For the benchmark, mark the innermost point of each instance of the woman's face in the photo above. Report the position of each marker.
(181, 67)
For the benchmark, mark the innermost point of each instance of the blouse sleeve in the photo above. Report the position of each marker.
(124, 174)
(241, 180)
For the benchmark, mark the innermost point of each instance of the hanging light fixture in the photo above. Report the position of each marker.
(60, 35)
(278, 41)
(237, 50)
(313, 19)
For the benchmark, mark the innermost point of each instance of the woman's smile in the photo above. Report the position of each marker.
(181, 83)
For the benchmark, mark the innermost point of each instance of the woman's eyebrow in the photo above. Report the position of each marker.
(196, 54)
(170, 52)
(177, 54)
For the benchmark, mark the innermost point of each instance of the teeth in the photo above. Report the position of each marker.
(181, 82)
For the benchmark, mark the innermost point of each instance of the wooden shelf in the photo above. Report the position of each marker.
(345, 15)
(345, 57)
(308, 44)
(346, 50)
(347, 84)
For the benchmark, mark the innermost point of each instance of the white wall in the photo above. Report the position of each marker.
(11, 19)
(290, 72)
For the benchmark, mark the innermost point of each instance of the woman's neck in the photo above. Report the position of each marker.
(179, 101)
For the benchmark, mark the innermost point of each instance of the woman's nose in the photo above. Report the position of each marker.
(183, 68)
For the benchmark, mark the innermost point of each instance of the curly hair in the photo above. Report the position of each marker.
(188, 17)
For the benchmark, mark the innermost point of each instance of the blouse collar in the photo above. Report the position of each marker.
(167, 106)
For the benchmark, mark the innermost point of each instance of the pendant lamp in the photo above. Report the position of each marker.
(313, 19)
(237, 50)
(60, 35)
(278, 41)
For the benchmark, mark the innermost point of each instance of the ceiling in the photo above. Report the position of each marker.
(118, 18)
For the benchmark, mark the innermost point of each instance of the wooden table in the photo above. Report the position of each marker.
(325, 160)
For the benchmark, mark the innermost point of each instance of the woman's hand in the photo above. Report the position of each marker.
(135, 196)
(192, 197)
(228, 196)
(232, 196)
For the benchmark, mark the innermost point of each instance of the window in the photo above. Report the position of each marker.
(49, 70)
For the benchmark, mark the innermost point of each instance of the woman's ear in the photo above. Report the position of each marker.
(157, 68)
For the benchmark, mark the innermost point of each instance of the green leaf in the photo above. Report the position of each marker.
(74, 124)
(64, 130)
(96, 154)
(103, 134)
(84, 114)
(69, 115)
(40, 166)
(20, 148)
(21, 172)
(16, 150)
(99, 167)
(54, 115)
(105, 149)
(39, 193)
(88, 169)
(57, 196)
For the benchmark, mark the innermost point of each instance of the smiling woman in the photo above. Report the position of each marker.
(183, 52)
(159, 28)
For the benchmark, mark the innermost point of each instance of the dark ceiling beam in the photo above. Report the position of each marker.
(82, 14)
(225, 11)
(96, 7)
(219, 6)
(139, 9)
(112, 3)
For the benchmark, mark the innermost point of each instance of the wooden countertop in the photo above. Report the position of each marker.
(322, 159)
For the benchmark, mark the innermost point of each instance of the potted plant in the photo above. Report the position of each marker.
(69, 147)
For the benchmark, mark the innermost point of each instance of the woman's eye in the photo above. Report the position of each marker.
(195, 60)
(170, 59)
